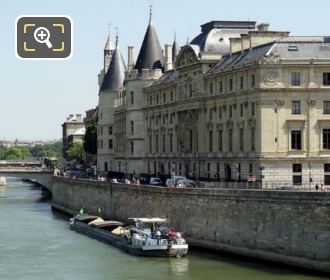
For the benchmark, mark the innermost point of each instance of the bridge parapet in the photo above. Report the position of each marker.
(43, 178)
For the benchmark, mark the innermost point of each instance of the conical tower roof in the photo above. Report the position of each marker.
(151, 55)
(175, 49)
(114, 78)
(108, 45)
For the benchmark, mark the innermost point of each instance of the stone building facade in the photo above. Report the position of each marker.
(240, 103)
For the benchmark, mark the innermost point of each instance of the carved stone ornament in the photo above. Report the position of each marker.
(272, 58)
(219, 126)
(271, 77)
(311, 102)
(280, 102)
(230, 124)
(252, 122)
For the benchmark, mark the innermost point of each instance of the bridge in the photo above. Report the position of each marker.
(38, 176)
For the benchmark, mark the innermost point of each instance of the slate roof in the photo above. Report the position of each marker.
(175, 50)
(215, 34)
(288, 48)
(108, 45)
(114, 78)
(150, 55)
(167, 77)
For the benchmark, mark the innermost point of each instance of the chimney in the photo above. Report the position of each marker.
(263, 26)
(245, 42)
(168, 57)
(235, 45)
(130, 62)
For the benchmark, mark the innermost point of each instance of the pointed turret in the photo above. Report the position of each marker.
(108, 52)
(151, 55)
(114, 78)
(175, 49)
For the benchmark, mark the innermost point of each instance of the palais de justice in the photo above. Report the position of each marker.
(238, 101)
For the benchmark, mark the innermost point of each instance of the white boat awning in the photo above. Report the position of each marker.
(149, 220)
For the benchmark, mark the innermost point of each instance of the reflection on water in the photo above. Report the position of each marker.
(179, 265)
(37, 244)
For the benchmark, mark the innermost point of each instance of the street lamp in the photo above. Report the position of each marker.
(310, 175)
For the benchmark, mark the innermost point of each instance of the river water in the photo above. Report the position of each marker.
(37, 244)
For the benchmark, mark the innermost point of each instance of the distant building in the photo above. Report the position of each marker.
(89, 120)
(73, 129)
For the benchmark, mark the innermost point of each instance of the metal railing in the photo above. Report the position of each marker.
(264, 186)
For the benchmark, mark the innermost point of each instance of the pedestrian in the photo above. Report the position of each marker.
(317, 187)
(322, 188)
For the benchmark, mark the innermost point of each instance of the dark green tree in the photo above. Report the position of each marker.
(90, 139)
(76, 152)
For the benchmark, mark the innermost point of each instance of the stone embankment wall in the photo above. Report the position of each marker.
(281, 226)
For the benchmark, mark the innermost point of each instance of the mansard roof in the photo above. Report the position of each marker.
(151, 55)
(293, 47)
(114, 78)
(214, 36)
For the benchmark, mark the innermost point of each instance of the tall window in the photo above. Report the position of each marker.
(230, 111)
(190, 140)
(132, 147)
(211, 114)
(296, 140)
(110, 130)
(150, 144)
(295, 78)
(171, 142)
(132, 97)
(220, 86)
(164, 97)
(297, 176)
(110, 144)
(163, 143)
(132, 127)
(253, 137)
(250, 169)
(241, 139)
(157, 143)
(230, 84)
(295, 107)
(172, 95)
(253, 108)
(101, 130)
(230, 142)
(326, 138)
(211, 88)
(210, 141)
(220, 141)
(326, 174)
(253, 80)
(241, 82)
(326, 79)
(241, 110)
(326, 107)
(220, 113)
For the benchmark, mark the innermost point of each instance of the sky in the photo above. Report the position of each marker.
(37, 96)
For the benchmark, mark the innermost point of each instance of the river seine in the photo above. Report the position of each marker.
(37, 244)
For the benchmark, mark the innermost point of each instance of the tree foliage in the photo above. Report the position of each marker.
(21, 153)
(76, 152)
(90, 138)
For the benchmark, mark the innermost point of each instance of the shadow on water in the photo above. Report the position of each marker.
(254, 263)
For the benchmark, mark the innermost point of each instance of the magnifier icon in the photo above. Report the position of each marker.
(41, 35)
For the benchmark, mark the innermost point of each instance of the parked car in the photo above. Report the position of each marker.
(155, 181)
(173, 182)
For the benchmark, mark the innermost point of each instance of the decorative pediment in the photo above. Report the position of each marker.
(186, 56)
(241, 124)
(230, 124)
(209, 125)
(220, 126)
(252, 122)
